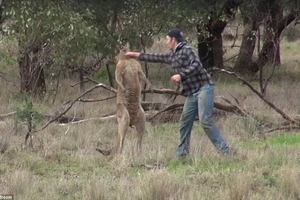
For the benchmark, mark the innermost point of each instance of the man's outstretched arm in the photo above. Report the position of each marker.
(150, 57)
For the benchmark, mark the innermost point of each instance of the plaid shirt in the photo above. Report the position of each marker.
(185, 62)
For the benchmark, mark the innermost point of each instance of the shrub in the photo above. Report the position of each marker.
(292, 33)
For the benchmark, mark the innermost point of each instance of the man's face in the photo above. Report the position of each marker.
(171, 42)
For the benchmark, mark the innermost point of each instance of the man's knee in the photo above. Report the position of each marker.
(206, 124)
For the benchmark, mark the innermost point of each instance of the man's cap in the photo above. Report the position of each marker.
(177, 34)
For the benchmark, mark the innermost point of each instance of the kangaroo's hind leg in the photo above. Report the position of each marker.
(140, 127)
(123, 119)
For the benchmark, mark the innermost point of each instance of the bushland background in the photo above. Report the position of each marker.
(53, 52)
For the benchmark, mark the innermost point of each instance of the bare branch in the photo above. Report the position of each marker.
(90, 119)
(95, 100)
(153, 105)
(171, 107)
(73, 85)
(288, 128)
(284, 115)
(229, 108)
(162, 91)
(91, 79)
(231, 58)
(2, 117)
(235, 99)
(237, 108)
(100, 85)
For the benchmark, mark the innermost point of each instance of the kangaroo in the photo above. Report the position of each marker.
(130, 113)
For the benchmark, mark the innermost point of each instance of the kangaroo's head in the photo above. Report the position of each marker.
(123, 50)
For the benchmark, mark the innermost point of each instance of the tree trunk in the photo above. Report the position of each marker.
(272, 37)
(218, 52)
(205, 50)
(81, 79)
(210, 48)
(244, 63)
(271, 48)
(110, 77)
(147, 76)
(32, 73)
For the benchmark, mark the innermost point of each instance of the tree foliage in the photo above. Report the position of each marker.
(49, 35)
(61, 35)
(272, 16)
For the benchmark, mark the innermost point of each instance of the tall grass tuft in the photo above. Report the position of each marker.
(94, 189)
(239, 186)
(160, 185)
(289, 182)
(19, 182)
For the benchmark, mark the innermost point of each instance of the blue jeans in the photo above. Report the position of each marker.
(203, 102)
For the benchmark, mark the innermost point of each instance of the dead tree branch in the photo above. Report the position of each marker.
(4, 116)
(284, 115)
(90, 119)
(229, 108)
(237, 109)
(100, 85)
(288, 128)
(171, 107)
(78, 83)
(91, 100)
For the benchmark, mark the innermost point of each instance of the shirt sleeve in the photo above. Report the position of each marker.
(156, 57)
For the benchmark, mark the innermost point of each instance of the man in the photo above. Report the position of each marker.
(197, 87)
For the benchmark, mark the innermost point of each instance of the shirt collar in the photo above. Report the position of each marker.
(179, 46)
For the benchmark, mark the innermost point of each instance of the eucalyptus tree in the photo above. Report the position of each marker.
(48, 34)
(208, 19)
(252, 13)
(136, 22)
(210, 44)
(124, 22)
(280, 15)
(273, 16)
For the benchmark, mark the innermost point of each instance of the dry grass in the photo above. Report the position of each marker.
(65, 165)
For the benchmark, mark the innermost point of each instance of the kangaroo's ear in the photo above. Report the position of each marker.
(124, 49)
(127, 45)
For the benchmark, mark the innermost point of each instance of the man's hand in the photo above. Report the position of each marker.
(131, 54)
(176, 78)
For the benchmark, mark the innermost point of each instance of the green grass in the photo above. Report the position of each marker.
(288, 140)
(285, 140)
(65, 165)
(79, 173)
